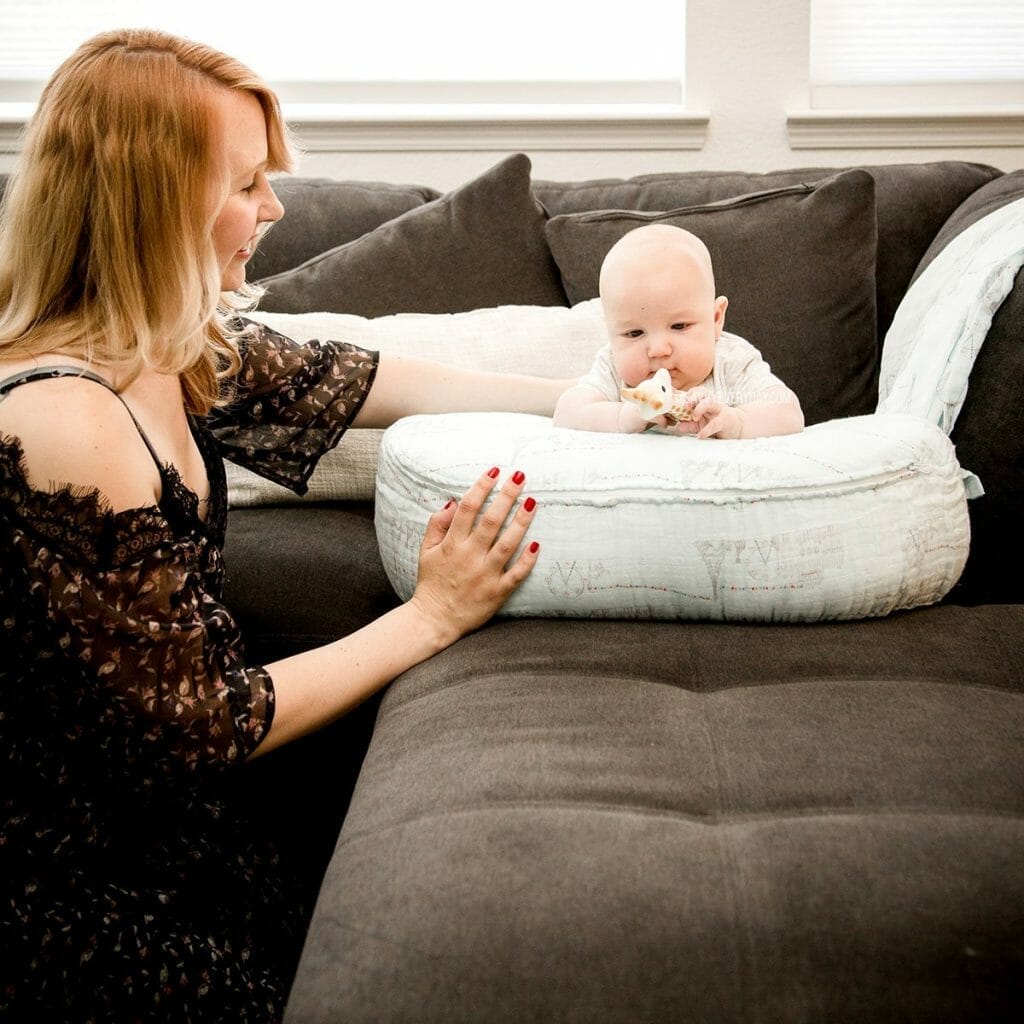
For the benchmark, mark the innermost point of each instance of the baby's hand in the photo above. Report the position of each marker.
(629, 420)
(690, 400)
(716, 419)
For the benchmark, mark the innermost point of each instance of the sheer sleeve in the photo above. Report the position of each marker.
(293, 403)
(131, 611)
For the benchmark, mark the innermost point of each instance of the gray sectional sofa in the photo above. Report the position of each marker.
(632, 821)
(572, 820)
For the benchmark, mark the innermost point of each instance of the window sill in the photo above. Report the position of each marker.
(495, 126)
(905, 129)
(327, 128)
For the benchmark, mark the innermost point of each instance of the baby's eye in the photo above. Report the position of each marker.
(679, 327)
(636, 333)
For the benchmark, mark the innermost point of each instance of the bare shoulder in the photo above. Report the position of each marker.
(76, 432)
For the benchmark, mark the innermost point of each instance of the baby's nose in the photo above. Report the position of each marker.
(659, 342)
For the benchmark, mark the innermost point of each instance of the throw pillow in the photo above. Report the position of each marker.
(321, 214)
(798, 267)
(481, 245)
(547, 341)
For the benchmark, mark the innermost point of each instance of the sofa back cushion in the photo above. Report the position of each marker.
(798, 267)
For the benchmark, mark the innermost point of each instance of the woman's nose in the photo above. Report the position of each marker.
(271, 208)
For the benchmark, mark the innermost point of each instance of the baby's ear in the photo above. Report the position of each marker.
(721, 304)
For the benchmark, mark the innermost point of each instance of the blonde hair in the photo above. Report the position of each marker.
(106, 248)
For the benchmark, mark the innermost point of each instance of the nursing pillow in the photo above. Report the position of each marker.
(850, 518)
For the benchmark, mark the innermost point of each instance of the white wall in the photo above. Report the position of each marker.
(746, 69)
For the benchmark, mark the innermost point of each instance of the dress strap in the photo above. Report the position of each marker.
(8, 384)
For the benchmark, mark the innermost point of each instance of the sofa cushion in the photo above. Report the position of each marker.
(286, 568)
(849, 518)
(548, 341)
(912, 201)
(624, 822)
(480, 245)
(798, 267)
(322, 213)
(989, 431)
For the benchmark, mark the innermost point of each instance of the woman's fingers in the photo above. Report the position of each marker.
(468, 560)
(492, 527)
(475, 516)
(508, 541)
(469, 505)
(438, 525)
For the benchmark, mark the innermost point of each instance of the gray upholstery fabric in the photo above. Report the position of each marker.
(302, 575)
(321, 213)
(480, 245)
(625, 822)
(798, 267)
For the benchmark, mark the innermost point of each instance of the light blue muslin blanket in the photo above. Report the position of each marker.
(943, 319)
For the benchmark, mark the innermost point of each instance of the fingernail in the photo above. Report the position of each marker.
(518, 476)
(493, 473)
(451, 501)
(534, 547)
(529, 504)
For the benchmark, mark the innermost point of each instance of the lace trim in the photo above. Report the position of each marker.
(80, 518)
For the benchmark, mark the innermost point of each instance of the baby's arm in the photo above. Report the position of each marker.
(778, 412)
(584, 408)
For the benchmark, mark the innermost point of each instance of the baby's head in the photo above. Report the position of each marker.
(660, 308)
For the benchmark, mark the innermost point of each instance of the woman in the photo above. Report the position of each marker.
(126, 707)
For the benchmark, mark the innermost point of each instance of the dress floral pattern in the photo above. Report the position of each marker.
(131, 889)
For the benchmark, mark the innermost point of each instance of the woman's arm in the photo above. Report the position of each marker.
(468, 568)
(404, 387)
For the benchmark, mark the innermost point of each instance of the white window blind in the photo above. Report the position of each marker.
(402, 51)
(877, 53)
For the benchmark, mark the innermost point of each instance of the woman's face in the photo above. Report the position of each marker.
(251, 205)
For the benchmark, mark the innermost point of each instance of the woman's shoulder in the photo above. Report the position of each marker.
(76, 432)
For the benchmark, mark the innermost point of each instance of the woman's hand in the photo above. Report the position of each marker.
(468, 568)
(468, 565)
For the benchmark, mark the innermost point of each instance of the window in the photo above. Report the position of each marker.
(404, 74)
(397, 51)
(878, 54)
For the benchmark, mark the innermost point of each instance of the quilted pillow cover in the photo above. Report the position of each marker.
(849, 519)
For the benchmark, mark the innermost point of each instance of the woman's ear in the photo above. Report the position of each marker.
(721, 304)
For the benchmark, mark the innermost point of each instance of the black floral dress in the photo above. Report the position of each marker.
(131, 889)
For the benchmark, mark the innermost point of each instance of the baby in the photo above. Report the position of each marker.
(658, 297)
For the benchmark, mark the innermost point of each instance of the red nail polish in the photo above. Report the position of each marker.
(518, 476)
(530, 504)
(534, 547)
(493, 473)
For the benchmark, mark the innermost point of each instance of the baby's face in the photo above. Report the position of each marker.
(660, 311)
